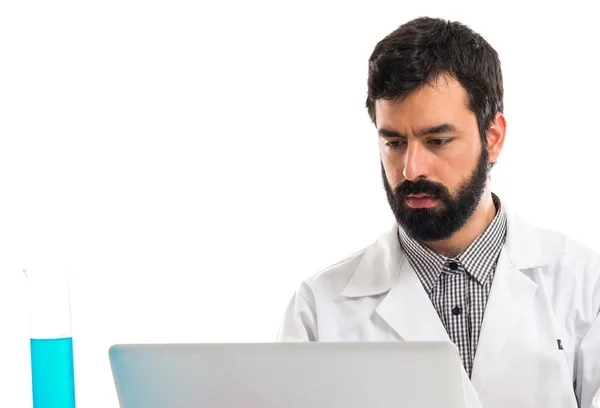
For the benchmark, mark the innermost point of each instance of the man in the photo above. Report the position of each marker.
(521, 303)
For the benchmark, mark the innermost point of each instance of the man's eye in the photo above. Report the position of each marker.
(439, 142)
(394, 143)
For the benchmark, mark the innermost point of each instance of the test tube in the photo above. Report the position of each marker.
(51, 342)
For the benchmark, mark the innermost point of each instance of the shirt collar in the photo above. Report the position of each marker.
(374, 269)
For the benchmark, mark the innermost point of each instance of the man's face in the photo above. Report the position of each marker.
(434, 166)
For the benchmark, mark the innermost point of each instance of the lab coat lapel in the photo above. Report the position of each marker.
(512, 292)
(510, 296)
(408, 309)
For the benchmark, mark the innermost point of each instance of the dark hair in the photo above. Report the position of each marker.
(420, 51)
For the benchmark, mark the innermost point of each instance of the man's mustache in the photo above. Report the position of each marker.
(421, 186)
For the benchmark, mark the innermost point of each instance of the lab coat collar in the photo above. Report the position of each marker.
(526, 246)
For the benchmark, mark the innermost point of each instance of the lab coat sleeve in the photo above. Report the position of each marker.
(588, 372)
(299, 321)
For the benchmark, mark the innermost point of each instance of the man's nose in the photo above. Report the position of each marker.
(416, 164)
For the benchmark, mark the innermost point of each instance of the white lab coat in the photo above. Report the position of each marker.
(546, 287)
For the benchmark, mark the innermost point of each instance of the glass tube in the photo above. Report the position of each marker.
(51, 342)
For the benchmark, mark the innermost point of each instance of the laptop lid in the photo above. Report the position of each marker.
(290, 375)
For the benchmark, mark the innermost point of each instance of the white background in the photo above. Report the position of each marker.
(194, 161)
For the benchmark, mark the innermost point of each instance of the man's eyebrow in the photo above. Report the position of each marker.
(434, 130)
(439, 129)
(383, 132)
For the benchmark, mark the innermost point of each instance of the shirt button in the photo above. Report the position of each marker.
(457, 310)
(453, 266)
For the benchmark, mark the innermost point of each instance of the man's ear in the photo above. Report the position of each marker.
(495, 137)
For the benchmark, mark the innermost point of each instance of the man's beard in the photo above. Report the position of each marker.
(448, 215)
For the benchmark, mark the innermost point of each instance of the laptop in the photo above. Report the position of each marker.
(288, 375)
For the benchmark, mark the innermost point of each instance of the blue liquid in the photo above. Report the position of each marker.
(52, 373)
